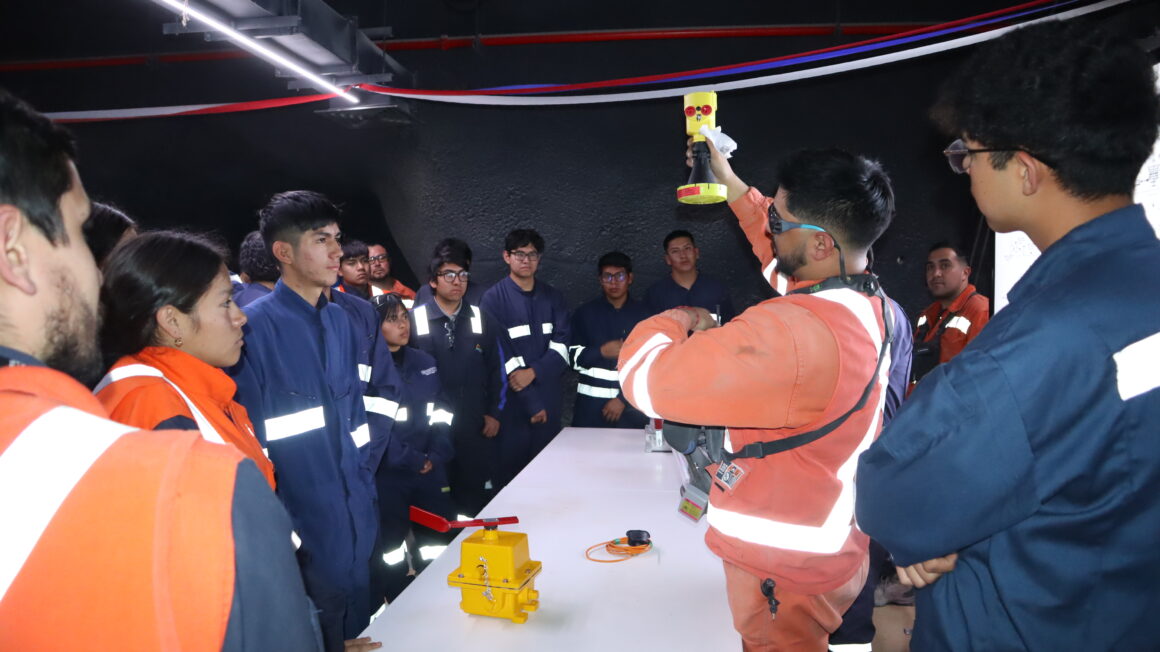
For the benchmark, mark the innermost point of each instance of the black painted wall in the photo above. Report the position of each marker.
(591, 178)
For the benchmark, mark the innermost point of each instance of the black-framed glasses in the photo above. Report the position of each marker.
(525, 256)
(958, 154)
(377, 259)
(619, 277)
(450, 276)
(778, 226)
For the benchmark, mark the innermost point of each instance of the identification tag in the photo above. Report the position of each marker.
(729, 475)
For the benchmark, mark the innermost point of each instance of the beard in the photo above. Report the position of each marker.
(790, 262)
(71, 332)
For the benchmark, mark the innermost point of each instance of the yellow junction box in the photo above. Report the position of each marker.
(495, 575)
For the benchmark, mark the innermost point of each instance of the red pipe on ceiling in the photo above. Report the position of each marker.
(453, 42)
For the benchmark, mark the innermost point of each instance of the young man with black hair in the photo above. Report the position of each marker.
(381, 280)
(957, 315)
(258, 267)
(127, 538)
(536, 318)
(686, 285)
(598, 331)
(354, 270)
(474, 293)
(299, 379)
(800, 381)
(1026, 469)
(469, 348)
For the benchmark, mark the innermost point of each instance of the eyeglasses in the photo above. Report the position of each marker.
(525, 256)
(619, 277)
(778, 226)
(378, 259)
(958, 154)
(450, 276)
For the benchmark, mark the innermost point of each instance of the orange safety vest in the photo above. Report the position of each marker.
(114, 538)
(786, 366)
(159, 383)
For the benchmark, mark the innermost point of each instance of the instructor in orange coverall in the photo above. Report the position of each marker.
(783, 524)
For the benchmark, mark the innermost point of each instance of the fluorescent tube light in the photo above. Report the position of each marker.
(257, 48)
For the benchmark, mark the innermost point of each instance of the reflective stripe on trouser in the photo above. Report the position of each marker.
(597, 392)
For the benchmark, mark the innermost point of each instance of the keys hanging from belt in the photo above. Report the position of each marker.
(767, 587)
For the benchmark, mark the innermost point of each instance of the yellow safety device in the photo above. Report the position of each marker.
(496, 576)
(702, 188)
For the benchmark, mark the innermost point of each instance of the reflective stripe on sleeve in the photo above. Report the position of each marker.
(547, 328)
(437, 415)
(597, 392)
(408, 303)
(921, 321)
(476, 321)
(600, 373)
(560, 348)
(379, 405)
(959, 323)
(38, 471)
(361, 435)
(512, 364)
(289, 425)
(364, 373)
(638, 367)
(576, 350)
(1136, 369)
(516, 332)
(421, 325)
(402, 415)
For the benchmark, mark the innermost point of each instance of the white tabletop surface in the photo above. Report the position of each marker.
(590, 485)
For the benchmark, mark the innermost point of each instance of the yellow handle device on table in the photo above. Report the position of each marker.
(702, 188)
(496, 574)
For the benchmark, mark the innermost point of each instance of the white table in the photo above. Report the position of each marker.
(589, 485)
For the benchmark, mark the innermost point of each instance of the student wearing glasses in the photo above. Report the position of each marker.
(1017, 486)
(598, 331)
(686, 285)
(468, 346)
(536, 318)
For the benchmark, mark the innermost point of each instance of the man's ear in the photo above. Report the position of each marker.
(1032, 170)
(821, 246)
(283, 252)
(15, 267)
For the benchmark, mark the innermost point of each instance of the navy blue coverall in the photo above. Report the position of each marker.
(378, 377)
(594, 324)
(422, 433)
(706, 292)
(538, 326)
(469, 354)
(298, 379)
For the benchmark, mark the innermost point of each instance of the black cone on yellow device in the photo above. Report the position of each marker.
(702, 188)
